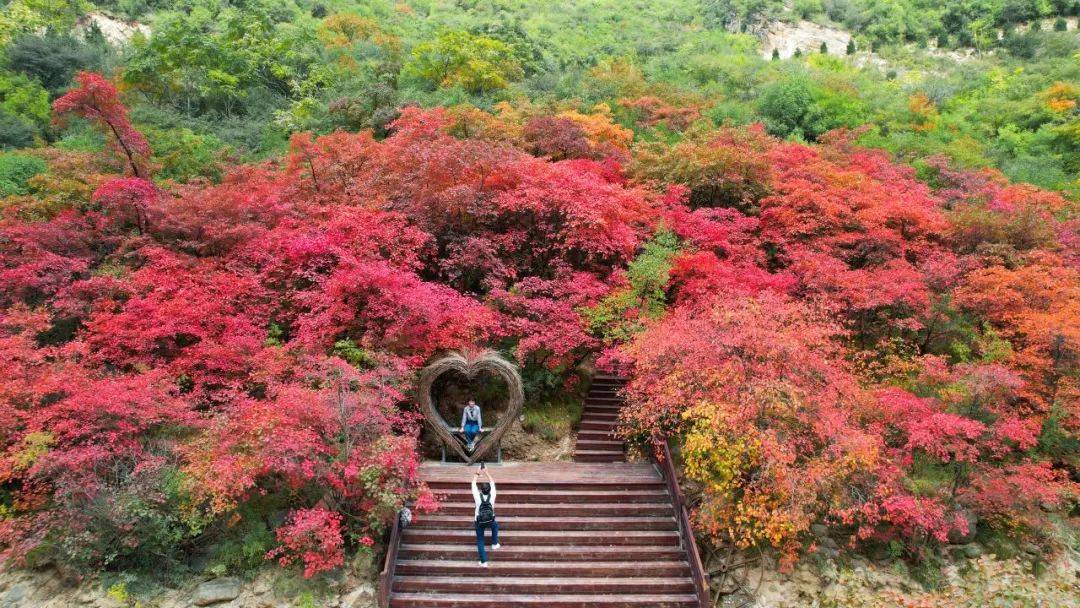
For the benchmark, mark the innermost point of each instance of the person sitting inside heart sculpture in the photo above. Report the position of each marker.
(471, 422)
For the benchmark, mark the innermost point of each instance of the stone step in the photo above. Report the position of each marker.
(659, 546)
(597, 425)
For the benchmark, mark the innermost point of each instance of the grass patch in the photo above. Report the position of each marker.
(552, 420)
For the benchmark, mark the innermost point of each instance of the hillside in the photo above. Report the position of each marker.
(841, 280)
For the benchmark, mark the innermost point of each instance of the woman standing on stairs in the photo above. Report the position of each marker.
(484, 514)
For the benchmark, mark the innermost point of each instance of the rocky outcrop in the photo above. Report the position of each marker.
(115, 31)
(47, 589)
(806, 36)
(218, 590)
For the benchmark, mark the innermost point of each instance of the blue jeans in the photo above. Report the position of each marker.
(480, 537)
(472, 429)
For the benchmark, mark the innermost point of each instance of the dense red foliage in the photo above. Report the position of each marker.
(193, 332)
(845, 257)
(832, 340)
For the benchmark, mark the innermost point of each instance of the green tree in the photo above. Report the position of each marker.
(220, 60)
(785, 105)
(25, 16)
(478, 63)
(851, 46)
(24, 99)
(52, 59)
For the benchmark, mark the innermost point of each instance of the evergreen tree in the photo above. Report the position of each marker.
(824, 48)
(775, 54)
(1060, 25)
(851, 46)
(798, 53)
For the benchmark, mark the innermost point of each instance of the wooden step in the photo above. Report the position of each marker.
(574, 535)
(534, 584)
(609, 417)
(509, 567)
(560, 600)
(597, 435)
(610, 412)
(558, 510)
(595, 456)
(611, 484)
(597, 425)
(466, 536)
(601, 408)
(507, 497)
(544, 474)
(456, 522)
(599, 446)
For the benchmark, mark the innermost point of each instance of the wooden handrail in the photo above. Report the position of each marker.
(386, 577)
(682, 516)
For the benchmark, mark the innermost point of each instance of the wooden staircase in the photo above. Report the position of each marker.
(598, 532)
(574, 535)
(596, 441)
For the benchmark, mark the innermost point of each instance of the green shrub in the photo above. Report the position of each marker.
(184, 154)
(15, 132)
(16, 170)
(624, 312)
(552, 420)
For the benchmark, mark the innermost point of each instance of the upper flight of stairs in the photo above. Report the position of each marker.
(596, 441)
(574, 535)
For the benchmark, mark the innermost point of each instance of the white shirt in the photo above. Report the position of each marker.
(476, 497)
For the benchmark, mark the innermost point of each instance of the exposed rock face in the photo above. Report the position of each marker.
(15, 596)
(115, 31)
(217, 590)
(805, 36)
(363, 596)
(47, 589)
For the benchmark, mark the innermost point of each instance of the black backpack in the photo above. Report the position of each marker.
(486, 513)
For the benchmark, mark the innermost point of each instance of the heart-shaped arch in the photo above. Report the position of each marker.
(489, 361)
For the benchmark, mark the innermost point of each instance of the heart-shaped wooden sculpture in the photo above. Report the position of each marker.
(469, 367)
